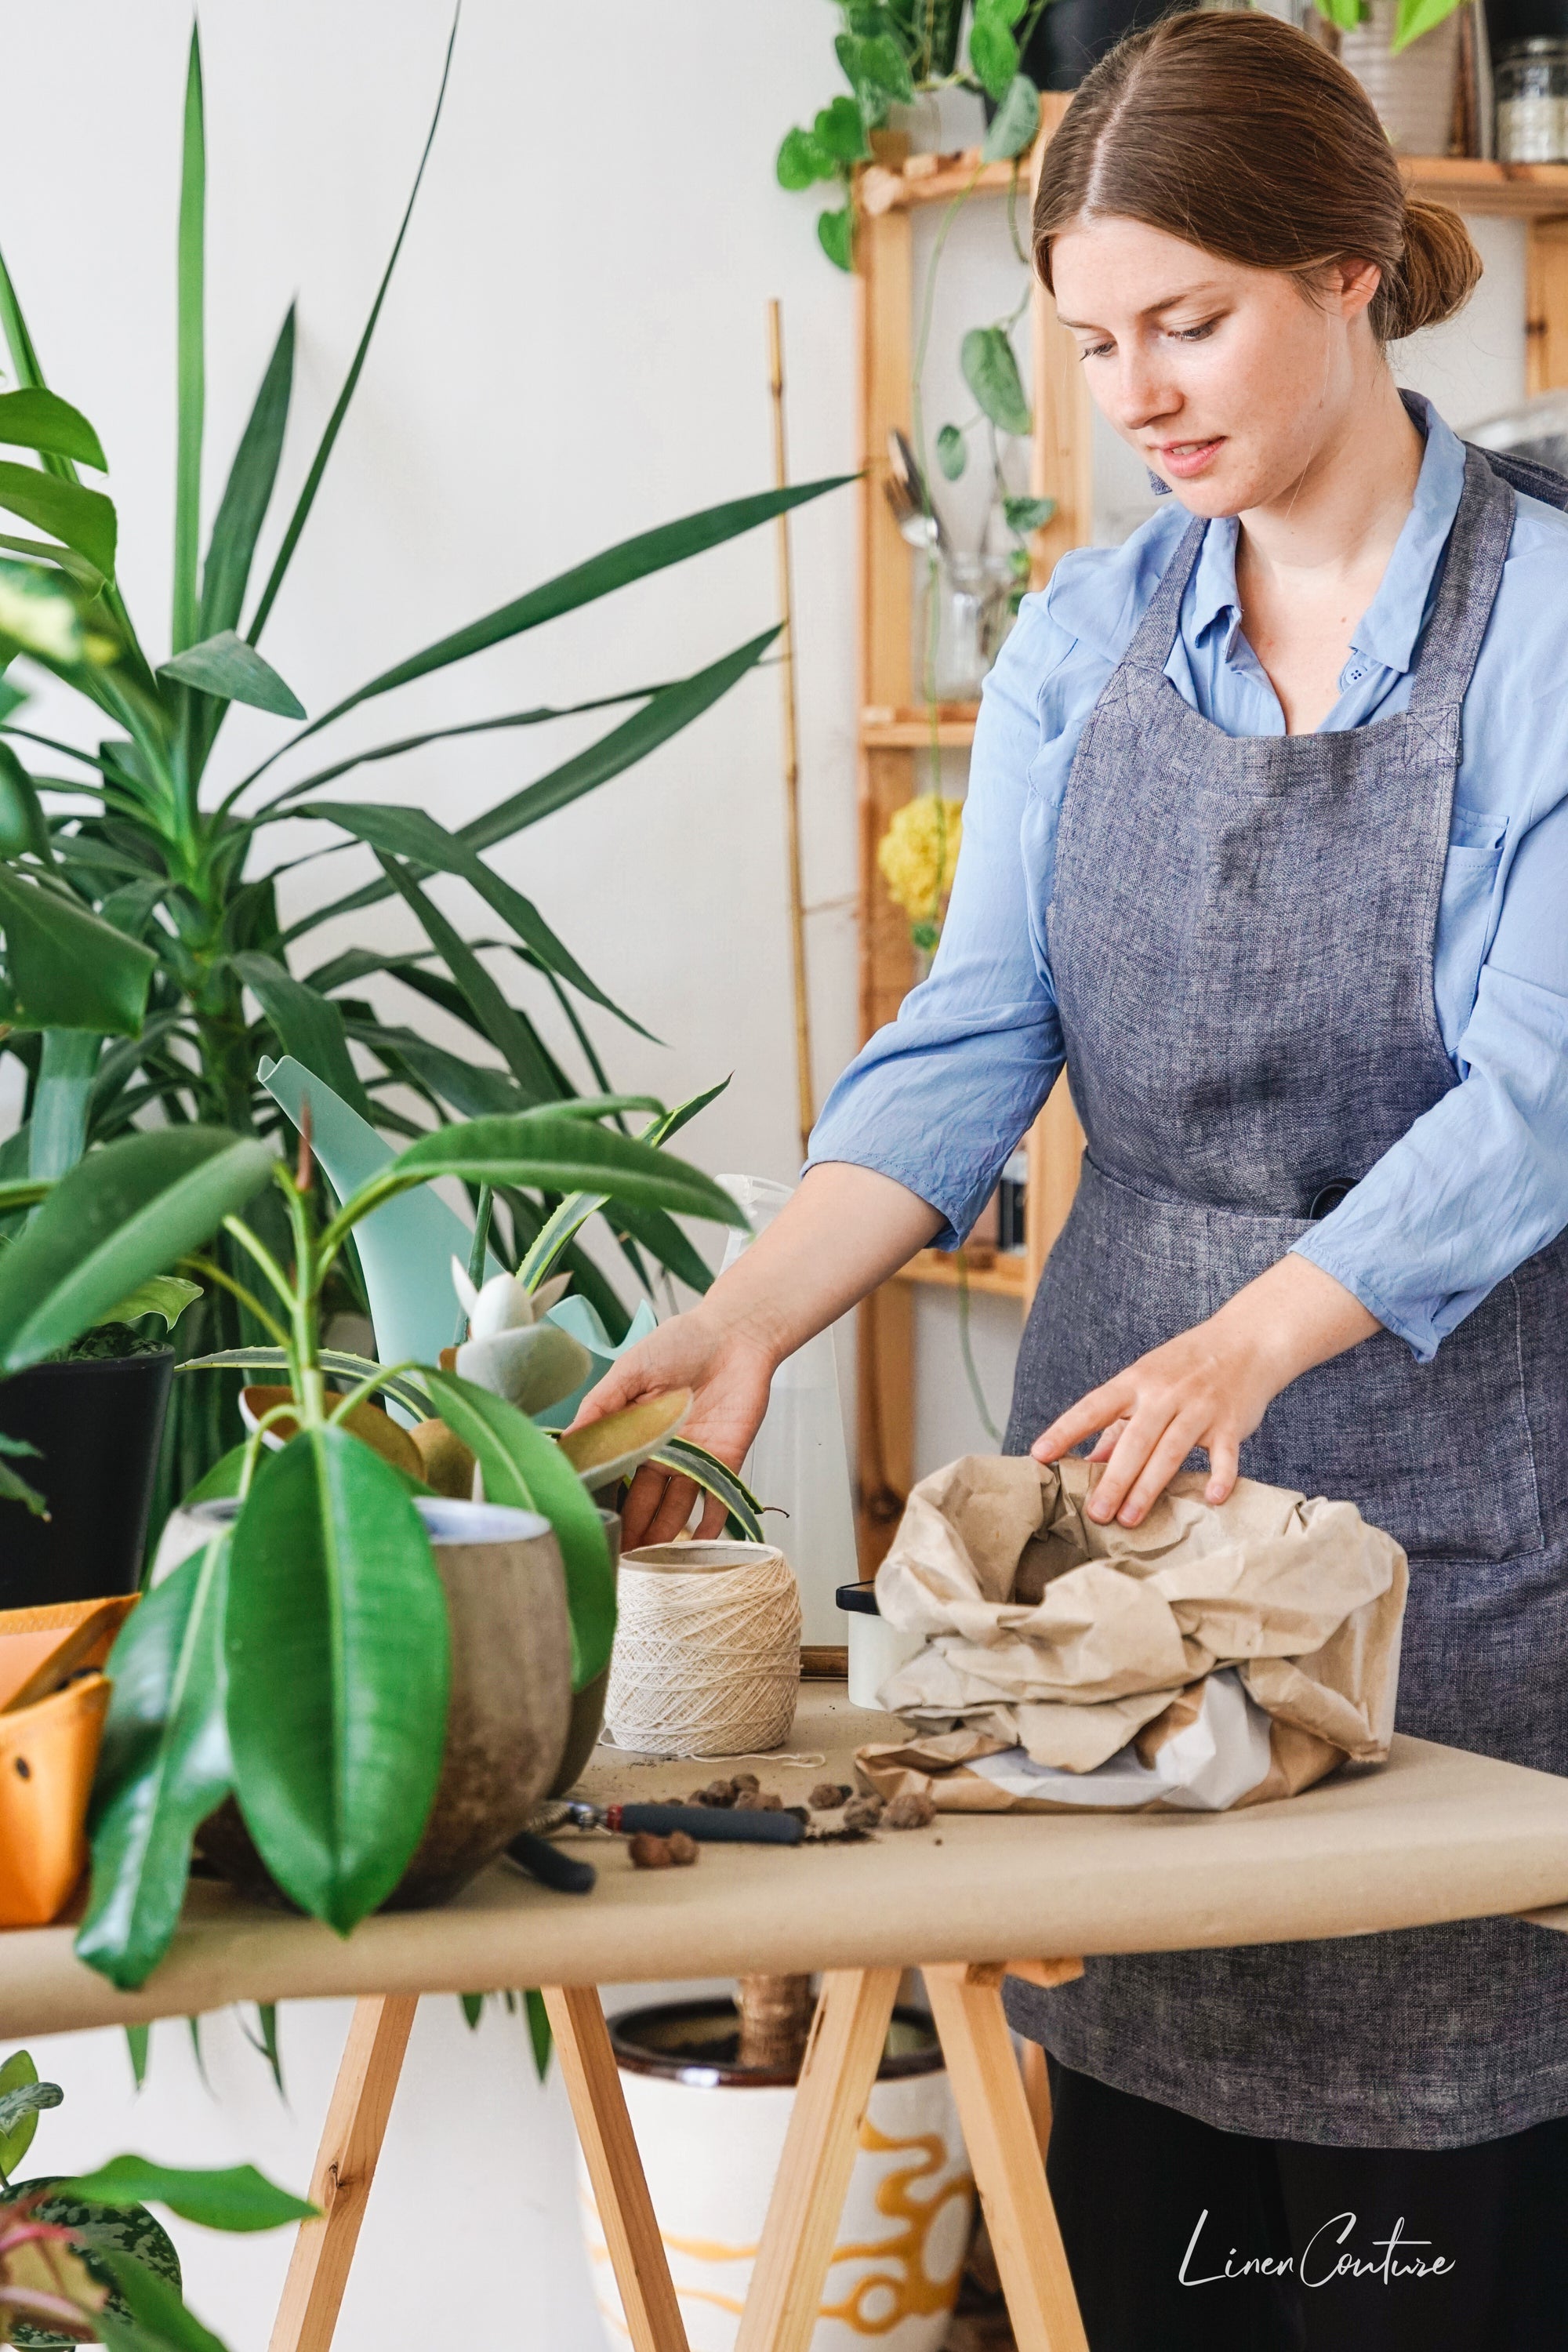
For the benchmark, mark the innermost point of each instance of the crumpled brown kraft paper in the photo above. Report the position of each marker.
(1049, 1631)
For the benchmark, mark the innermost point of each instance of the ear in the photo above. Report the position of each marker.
(1354, 285)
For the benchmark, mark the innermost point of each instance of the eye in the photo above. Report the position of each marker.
(1196, 335)
(1095, 351)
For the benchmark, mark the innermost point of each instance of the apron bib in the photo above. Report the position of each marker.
(1241, 937)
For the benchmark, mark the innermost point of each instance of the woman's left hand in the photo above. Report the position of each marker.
(1208, 1389)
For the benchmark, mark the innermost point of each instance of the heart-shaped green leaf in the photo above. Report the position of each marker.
(22, 2099)
(991, 372)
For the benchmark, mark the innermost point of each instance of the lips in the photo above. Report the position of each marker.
(1185, 459)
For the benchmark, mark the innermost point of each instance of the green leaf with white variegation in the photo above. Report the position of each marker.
(716, 1479)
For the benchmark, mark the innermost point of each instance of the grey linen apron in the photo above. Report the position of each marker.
(1241, 937)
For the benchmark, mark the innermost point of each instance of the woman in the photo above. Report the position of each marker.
(1268, 832)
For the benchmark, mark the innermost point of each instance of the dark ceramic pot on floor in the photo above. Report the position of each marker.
(508, 1714)
(97, 1426)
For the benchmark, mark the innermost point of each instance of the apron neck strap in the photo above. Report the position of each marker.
(1472, 573)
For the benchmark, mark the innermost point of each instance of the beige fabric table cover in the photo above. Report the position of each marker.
(1434, 1834)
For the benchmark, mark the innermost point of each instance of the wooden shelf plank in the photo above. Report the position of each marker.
(1528, 191)
(1001, 1276)
(909, 729)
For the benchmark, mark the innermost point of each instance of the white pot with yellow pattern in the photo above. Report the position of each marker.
(710, 2140)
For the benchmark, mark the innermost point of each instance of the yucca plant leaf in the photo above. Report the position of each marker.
(36, 419)
(338, 1664)
(165, 1767)
(307, 1024)
(227, 667)
(318, 463)
(124, 1213)
(56, 1132)
(523, 1467)
(412, 833)
(673, 708)
(247, 494)
(617, 567)
(509, 1031)
(80, 518)
(191, 361)
(23, 829)
(66, 968)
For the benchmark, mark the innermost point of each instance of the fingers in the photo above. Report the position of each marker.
(1091, 1414)
(1144, 1462)
(644, 1498)
(712, 1522)
(674, 1509)
(1108, 1441)
(620, 1386)
(1224, 1464)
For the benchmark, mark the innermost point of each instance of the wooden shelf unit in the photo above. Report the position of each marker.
(894, 729)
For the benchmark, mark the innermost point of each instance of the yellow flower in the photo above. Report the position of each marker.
(918, 853)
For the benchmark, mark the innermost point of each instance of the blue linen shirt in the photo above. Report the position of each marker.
(943, 1095)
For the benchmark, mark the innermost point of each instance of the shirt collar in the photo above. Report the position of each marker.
(1390, 628)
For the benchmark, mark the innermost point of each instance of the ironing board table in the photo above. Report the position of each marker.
(1436, 1835)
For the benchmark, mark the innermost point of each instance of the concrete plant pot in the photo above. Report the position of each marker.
(507, 1714)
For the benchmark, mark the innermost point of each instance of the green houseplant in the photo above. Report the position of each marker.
(82, 2260)
(136, 824)
(299, 1662)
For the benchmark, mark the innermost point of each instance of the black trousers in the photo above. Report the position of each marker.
(1182, 2238)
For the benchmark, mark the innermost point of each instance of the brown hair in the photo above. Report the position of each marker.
(1245, 137)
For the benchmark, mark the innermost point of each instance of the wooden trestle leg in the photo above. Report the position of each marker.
(345, 2167)
(999, 2132)
(610, 2152)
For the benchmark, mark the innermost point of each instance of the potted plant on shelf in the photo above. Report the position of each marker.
(143, 830)
(1405, 56)
(304, 1663)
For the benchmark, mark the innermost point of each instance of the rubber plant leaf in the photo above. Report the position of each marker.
(523, 1467)
(232, 2197)
(405, 1247)
(339, 1666)
(66, 968)
(124, 1213)
(79, 518)
(36, 419)
(165, 1767)
(574, 1211)
(226, 666)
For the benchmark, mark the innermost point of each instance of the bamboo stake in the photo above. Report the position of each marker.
(791, 742)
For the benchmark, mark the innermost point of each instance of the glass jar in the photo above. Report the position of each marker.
(1532, 102)
(962, 610)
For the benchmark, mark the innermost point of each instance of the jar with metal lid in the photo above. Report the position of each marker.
(1532, 102)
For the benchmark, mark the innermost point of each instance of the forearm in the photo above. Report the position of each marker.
(1291, 1318)
(846, 1230)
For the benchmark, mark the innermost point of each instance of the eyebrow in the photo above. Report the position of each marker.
(1149, 310)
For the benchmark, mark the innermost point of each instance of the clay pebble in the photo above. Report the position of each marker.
(863, 1813)
(828, 1795)
(912, 1811)
(675, 1852)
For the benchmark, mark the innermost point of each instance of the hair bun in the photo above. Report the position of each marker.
(1437, 272)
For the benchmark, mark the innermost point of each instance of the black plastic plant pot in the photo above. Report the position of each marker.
(97, 1426)
(1071, 35)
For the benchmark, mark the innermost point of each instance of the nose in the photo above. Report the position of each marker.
(1141, 394)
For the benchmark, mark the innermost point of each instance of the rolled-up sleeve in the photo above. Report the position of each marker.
(1480, 1181)
(942, 1096)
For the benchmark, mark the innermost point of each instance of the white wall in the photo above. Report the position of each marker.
(573, 352)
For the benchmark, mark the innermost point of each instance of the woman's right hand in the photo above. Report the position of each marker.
(728, 1372)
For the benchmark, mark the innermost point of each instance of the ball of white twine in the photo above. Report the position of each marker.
(707, 1656)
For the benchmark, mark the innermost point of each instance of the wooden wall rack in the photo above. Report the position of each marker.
(893, 731)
